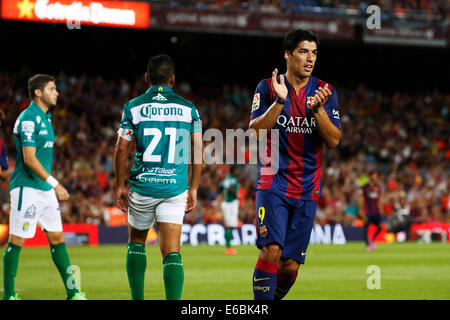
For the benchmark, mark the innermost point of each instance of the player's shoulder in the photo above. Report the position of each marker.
(319, 83)
(29, 114)
(264, 85)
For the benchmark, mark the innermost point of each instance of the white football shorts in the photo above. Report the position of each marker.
(143, 211)
(31, 206)
(230, 213)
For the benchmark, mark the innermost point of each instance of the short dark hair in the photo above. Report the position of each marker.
(38, 81)
(294, 37)
(160, 69)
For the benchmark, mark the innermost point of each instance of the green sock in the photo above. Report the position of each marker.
(10, 265)
(173, 276)
(228, 237)
(62, 262)
(136, 265)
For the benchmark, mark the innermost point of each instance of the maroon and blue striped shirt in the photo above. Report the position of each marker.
(299, 175)
(371, 195)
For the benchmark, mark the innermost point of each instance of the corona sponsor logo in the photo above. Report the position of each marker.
(148, 111)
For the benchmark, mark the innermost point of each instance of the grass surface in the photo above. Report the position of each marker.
(407, 270)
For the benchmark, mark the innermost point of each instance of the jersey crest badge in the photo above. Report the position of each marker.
(309, 101)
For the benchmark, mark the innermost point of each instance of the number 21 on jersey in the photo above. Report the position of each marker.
(149, 155)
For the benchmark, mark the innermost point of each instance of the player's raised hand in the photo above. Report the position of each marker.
(121, 198)
(191, 199)
(280, 89)
(320, 97)
(61, 193)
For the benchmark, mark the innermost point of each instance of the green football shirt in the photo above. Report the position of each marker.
(161, 122)
(229, 181)
(33, 128)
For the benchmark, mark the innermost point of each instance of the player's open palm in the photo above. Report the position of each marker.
(279, 88)
(61, 193)
(320, 97)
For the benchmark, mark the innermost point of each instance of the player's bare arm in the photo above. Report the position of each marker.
(269, 118)
(32, 162)
(197, 142)
(327, 130)
(361, 211)
(380, 204)
(120, 165)
(3, 175)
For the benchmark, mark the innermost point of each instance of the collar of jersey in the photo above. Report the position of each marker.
(160, 88)
(36, 108)
(288, 85)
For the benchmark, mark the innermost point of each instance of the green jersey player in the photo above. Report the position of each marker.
(34, 191)
(230, 207)
(163, 125)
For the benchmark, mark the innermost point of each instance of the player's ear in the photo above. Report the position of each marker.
(37, 93)
(172, 80)
(287, 56)
(147, 79)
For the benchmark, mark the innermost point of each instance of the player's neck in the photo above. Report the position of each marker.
(167, 84)
(41, 105)
(296, 82)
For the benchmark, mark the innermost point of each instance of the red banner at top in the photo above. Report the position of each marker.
(123, 14)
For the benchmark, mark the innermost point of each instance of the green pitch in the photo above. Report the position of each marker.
(407, 271)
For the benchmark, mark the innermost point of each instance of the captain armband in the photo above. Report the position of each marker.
(126, 134)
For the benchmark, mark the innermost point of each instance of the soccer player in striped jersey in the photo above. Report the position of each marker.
(164, 126)
(3, 153)
(305, 112)
(371, 204)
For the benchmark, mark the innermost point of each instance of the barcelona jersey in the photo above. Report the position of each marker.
(299, 174)
(371, 195)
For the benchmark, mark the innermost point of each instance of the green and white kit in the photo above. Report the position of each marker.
(32, 199)
(161, 122)
(230, 204)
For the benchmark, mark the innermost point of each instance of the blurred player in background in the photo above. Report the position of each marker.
(164, 126)
(230, 207)
(370, 204)
(305, 112)
(3, 153)
(34, 191)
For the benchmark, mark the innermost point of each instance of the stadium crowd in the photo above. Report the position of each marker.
(423, 10)
(404, 135)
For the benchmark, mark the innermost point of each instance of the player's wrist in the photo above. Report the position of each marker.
(52, 181)
(318, 108)
(119, 185)
(279, 100)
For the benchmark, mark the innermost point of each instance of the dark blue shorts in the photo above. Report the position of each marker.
(374, 219)
(285, 221)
